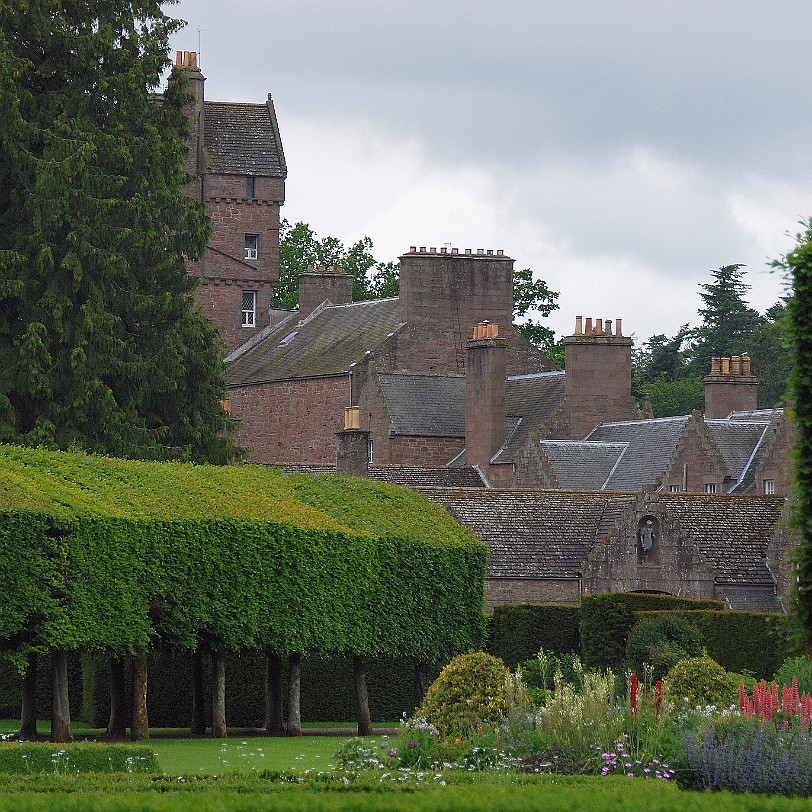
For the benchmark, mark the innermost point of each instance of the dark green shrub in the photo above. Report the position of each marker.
(81, 757)
(516, 633)
(799, 668)
(701, 681)
(606, 620)
(662, 642)
(469, 691)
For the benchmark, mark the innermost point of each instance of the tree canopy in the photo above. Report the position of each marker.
(100, 344)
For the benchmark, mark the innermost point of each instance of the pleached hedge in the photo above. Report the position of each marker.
(112, 556)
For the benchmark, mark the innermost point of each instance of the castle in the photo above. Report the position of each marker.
(572, 486)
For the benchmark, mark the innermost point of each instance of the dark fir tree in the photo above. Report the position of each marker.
(100, 345)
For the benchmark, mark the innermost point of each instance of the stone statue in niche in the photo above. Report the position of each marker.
(648, 536)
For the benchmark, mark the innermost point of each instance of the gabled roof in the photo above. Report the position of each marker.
(537, 534)
(580, 466)
(242, 139)
(650, 446)
(736, 441)
(327, 342)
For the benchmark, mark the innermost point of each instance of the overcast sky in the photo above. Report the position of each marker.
(620, 149)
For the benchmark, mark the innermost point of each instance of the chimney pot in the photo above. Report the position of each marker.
(412, 249)
(480, 251)
(490, 252)
(736, 365)
(422, 249)
(178, 58)
(746, 365)
(500, 252)
(455, 250)
(588, 328)
(618, 327)
(433, 250)
(716, 365)
(444, 250)
(599, 327)
(579, 325)
(468, 252)
(352, 418)
(725, 365)
(608, 326)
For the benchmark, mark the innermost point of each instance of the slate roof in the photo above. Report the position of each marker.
(242, 139)
(737, 442)
(650, 446)
(408, 476)
(580, 466)
(327, 342)
(430, 405)
(538, 534)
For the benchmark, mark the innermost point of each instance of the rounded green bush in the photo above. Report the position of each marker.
(469, 691)
(798, 667)
(700, 681)
(662, 642)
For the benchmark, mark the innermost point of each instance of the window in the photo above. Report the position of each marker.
(250, 187)
(251, 246)
(673, 488)
(370, 454)
(249, 308)
(710, 487)
(769, 487)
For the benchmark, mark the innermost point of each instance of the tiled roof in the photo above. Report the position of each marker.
(580, 466)
(414, 477)
(736, 441)
(242, 139)
(429, 405)
(651, 444)
(325, 343)
(761, 598)
(540, 534)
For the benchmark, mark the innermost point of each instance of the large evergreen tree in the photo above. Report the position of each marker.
(100, 344)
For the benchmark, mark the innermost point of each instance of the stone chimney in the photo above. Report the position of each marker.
(730, 387)
(442, 293)
(485, 383)
(186, 63)
(318, 285)
(598, 382)
(352, 445)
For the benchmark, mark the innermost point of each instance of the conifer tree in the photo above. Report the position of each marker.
(101, 347)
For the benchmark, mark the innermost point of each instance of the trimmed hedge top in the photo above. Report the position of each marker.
(72, 485)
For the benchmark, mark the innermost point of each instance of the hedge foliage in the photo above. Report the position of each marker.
(516, 633)
(756, 642)
(81, 757)
(607, 618)
(111, 555)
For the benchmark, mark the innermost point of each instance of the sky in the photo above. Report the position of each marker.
(622, 149)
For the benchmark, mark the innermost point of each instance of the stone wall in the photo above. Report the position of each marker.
(500, 591)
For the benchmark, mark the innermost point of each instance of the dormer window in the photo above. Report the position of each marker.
(769, 487)
(251, 246)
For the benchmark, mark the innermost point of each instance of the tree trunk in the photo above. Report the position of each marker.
(60, 705)
(218, 696)
(117, 723)
(361, 696)
(28, 716)
(273, 693)
(198, 727)
(294, 694)
(421, 680)
(139, 728)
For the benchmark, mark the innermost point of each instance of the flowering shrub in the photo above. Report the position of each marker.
(747, 755)
(469, 690)
(766, 704)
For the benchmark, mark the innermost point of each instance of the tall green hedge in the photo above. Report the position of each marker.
(516, 633)
(606, 619)
(111, 556)
(757, 642)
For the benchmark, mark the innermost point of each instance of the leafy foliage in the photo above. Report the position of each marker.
(109, 554)
(701, 681)
(72, 759)
(798, 668)
(469, 691)
(662, 642)
(100, 345)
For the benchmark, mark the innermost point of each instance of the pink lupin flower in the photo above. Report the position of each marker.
(633, 692)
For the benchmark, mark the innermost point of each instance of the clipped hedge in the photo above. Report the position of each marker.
(607, 618)
(757, 642)
(81, 757)
(516, 633)
(111, 555)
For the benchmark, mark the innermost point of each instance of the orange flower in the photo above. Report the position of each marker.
(457, 741)
(479, 729)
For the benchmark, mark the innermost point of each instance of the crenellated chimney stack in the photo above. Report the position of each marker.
(186, 64)
(730, 386)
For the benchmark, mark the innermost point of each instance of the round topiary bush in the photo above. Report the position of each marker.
(701, 681)
(469, 691)
(662, 642)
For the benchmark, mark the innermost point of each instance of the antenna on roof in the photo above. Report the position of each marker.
(198, 48)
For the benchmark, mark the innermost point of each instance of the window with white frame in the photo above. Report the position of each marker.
(710, 487)
(249, 308)
(251, 246)
(673, 489)
(769, 487)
